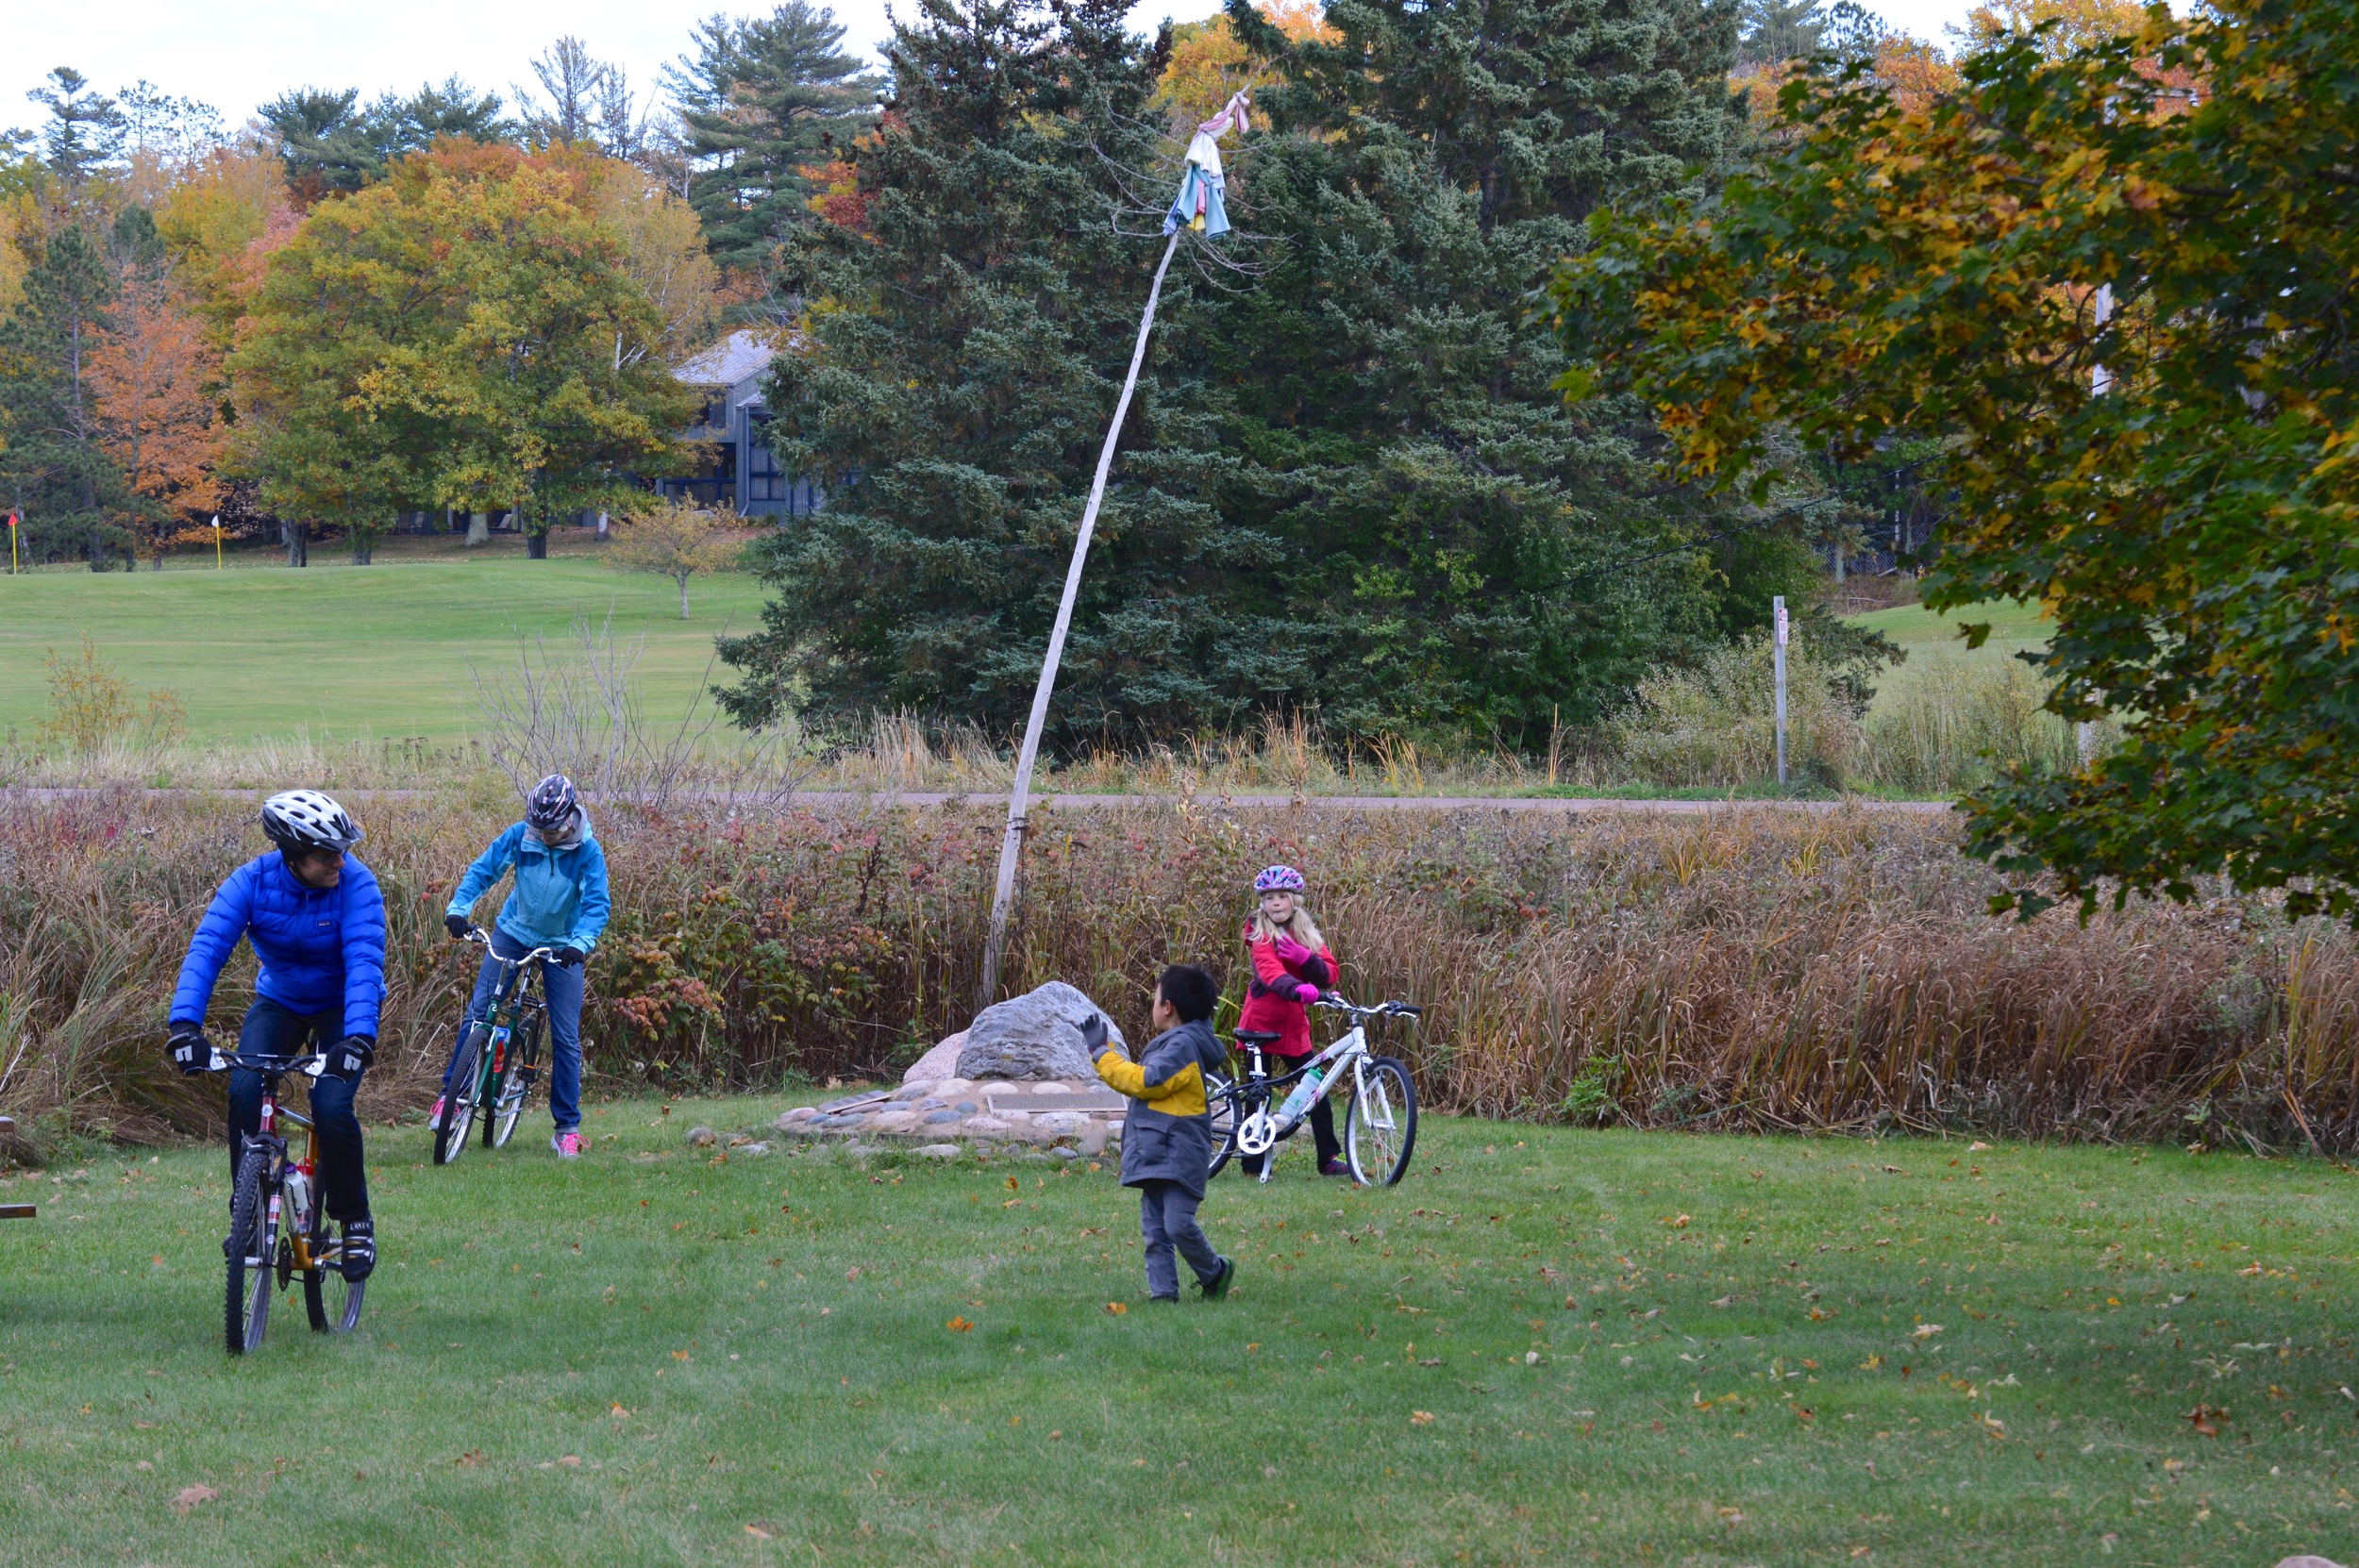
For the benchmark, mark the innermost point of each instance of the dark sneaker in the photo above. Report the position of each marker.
(1334, 1166)
(359, 1259)
(1218, 1285)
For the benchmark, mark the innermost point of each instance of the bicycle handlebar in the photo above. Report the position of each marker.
(309, 1062)
(1382, 1009)
(477, 934)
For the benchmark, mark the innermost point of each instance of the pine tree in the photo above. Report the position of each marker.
(53, 464)
(1461, 557)
(761, 99)
(981, 324)
(329, 142)
(1349, 483)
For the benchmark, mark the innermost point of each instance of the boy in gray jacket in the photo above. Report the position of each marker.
(1167, 1133)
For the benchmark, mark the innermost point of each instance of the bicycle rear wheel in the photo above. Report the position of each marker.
(1221, 1101)
(1380, 1131)
(332, 1301)
(246, 1253)
(516, 1087)
(459, 1102)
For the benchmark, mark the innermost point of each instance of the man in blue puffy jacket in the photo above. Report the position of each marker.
(317, 923)
(560, 901)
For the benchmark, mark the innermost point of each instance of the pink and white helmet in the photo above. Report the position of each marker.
(1279, 880)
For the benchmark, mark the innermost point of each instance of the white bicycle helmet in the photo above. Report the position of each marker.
(300, 820)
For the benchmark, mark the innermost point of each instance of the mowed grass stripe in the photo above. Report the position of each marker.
(1522, 1354)
(340, 651)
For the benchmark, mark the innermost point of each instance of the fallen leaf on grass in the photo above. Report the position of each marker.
(571, 1461)
(760, 1534)
(1725, 1301)
(469, 1460)
(1420, 1418)
(618, 1412)
(1976, 1148)
(1925, 1331)
(852, 1273)
(957, 1325)
(2202, 1417)
(192, 1496)
(1117, 1307)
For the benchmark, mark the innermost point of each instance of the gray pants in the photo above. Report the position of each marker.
(1168, 1219)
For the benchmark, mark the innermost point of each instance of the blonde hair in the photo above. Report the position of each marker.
(1300, 927)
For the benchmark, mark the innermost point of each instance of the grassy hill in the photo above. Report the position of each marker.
(335, 650)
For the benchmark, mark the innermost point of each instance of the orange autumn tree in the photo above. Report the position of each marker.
(157, 378)
(1209, 62)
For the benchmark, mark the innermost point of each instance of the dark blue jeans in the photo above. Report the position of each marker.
(272, 1030)
(562, 989)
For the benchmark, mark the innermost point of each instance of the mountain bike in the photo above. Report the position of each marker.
(277, 1224)
(1249, 1117)
(497, 1064)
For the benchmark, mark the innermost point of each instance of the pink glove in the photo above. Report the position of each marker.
(1306, 993)
(1291, 952)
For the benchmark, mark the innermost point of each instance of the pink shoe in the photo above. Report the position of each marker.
(567, 1145)
(434, 1117)
(1334, 1168)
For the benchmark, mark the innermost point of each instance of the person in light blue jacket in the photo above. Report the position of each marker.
(560, 900)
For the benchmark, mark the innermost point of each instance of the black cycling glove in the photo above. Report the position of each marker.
(571, 956)
(457, 925)
(189, 1049)
(350, 1056)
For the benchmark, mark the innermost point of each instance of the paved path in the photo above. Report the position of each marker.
(841, 800)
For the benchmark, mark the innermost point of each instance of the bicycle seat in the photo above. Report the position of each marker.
(1256, 1037)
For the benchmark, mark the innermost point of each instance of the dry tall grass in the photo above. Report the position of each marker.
(1740, 970)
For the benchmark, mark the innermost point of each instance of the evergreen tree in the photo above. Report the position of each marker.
(984, 319)
(1462, 558)
(52, 464)
(1348, 483)
(84, 130)
(761, 99)
(330, 143)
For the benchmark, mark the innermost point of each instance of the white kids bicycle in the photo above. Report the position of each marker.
(1380, 1128)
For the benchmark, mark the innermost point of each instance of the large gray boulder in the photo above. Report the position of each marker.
(1035, 1036)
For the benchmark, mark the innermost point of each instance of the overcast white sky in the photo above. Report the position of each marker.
(236, 56)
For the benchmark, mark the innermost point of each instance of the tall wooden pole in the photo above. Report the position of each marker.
(1010, 849)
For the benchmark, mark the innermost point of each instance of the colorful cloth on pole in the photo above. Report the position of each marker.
(1199, 203)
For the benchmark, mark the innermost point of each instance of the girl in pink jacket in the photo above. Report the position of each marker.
(1292, 969)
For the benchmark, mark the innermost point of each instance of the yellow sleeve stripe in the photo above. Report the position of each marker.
(1126, 1076)
(1181, 1095)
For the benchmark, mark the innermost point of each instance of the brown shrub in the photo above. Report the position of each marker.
(1738, 969)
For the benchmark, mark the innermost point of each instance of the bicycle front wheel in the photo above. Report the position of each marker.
(332, 1301)
(1220, 1098)
(515, 1086)
(1380, 1131)
(246, 1252)
(459, 1105)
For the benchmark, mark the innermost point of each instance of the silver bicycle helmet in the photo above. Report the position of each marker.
(300, 820)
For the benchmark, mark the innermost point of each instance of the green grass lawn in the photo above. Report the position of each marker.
(1932, 640)
(336, 650)
(1545, 1346)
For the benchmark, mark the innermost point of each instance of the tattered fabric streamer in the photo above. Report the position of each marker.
(1200, 203)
